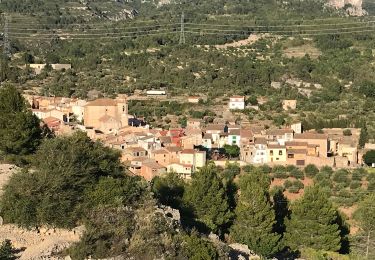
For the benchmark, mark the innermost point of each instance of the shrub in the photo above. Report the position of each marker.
(291, 168)
(294, 186)
(293, 189)
(279, 169)
(355, 184)
(281, 175)
(298, 184)
(311, 170)
(347, 132)
(265, 168)
(324, 182)
(341, 176)
(326, 170)
(369, 157)
(288, 184)
(297, 173)
(358, 174)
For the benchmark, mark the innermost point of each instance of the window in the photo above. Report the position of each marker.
(271, 152)
(123, 108)
(290, 155)
(280, 152)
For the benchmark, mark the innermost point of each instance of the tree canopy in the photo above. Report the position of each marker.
(66, 167)
(20, 130)
(207, 198)
(255, 217)
(313, 223)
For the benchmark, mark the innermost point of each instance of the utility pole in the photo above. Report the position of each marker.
(182, 33)
(6, 49)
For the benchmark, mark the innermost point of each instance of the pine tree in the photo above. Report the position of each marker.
(313, 223)
(255, 217)
(365, 215)
(7, 251)
(208, 200)
(20, 131)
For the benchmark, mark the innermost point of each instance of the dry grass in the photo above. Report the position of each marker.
(301, 51)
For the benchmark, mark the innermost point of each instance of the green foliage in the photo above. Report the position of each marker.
(114, 192)
(369, 157)
(341, 176)
(363, 137)
(358, 174)
(169, 189)
(367, 88)
(208, 200)
(232, 151)
(365, 215)
(65, 168)
(197, 248)
(313, 223)
(311, 170)
(297, 173)
(282, 211)
(326, 170)
(309, 253)
(20, 131)
(255, 217)
(231, 171)
(7, 251)
(355, 185)
(347, 132)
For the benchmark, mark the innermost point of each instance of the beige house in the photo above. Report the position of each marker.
(276, 153)
(197, 159)
(151, 169)
(185, 170)
(105, 114)
(131, 153)
(166, 156)
(320, 140)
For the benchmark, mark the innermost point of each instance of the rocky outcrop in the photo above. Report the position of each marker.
(352, 7)
(43, 243)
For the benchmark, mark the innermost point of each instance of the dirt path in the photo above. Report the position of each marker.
(252, 39)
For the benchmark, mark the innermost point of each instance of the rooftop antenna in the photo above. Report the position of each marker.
(182, 33)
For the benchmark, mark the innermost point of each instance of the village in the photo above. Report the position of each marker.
(150, 152)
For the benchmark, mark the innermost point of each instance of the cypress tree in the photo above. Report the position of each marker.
(363, 137)
(313, 223)
(255, 217)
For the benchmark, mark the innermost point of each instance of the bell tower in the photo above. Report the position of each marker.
(122, 109)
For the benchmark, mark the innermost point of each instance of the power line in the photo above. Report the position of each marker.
(278, 26)
(92, 38)
(281, 31)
